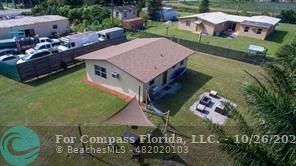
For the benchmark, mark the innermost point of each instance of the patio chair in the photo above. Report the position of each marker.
(200, 107)
(213, 93)
(220, 108)
(205, 101)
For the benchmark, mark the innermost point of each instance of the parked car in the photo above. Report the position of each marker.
(54, 42)
(9, 58)
(111, 33)
(33, 55)
(8, 51)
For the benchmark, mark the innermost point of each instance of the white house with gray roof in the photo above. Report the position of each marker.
(215, 23)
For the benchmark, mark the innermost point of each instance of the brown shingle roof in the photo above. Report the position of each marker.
(144, 59)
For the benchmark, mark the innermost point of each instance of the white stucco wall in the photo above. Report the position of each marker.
(125, 84)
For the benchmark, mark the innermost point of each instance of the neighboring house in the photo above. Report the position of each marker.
(166, 14)
(216, 23)
(47, 25)
(135, 67)
(124, 12)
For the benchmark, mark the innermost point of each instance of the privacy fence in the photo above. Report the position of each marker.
(210, 49)
(52, 63)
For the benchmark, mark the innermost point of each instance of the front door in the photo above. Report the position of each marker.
(197, 28)
(233, 26)
(164, 78)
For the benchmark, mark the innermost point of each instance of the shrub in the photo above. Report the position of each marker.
(288, 16)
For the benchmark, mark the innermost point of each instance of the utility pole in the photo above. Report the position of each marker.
(112, 5)
(199, 37)
(238, 6)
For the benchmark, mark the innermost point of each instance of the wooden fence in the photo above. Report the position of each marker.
(49, 64)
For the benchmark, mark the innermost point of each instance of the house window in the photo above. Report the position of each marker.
(117, 14)
(151, 82)
(182, 62)
(246, 29)
(125, 14)
(55, 26)
(100, 71)
(188, 23)
(259, 31)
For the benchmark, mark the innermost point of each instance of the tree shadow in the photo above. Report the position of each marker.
(190, 82)
(277, 36)
(54, 76)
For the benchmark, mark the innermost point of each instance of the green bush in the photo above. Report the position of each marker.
(288, 16)
(93, 17)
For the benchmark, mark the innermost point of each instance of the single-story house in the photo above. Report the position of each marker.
(124, 12)
(215, 23)
(166, 14)
(135, 67)
(47, 25)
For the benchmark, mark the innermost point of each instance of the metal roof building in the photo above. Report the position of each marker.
(40, 25)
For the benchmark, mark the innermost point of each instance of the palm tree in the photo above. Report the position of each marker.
(271, 111)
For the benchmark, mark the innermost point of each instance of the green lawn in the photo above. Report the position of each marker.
(64, 100)
(283, 34)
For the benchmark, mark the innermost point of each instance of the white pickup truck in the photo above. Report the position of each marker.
(54, 42)
(45, 45)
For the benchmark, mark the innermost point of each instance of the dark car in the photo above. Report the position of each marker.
(9, 59)
(8, 51)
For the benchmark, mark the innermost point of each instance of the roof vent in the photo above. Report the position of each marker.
(161, 55)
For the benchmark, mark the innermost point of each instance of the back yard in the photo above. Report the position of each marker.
(283, 34)
(64, 100)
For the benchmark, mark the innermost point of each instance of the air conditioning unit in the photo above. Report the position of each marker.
(115, 75)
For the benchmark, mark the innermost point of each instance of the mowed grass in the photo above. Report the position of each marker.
(61, 99)
(64, 100)
(283, 34)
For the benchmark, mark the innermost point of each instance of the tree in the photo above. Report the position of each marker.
(74, 3)
(1, 6)
(271, 115)
(139, 5)
(204, 6)
(28, 3)
(288, 16)
(153, 6)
